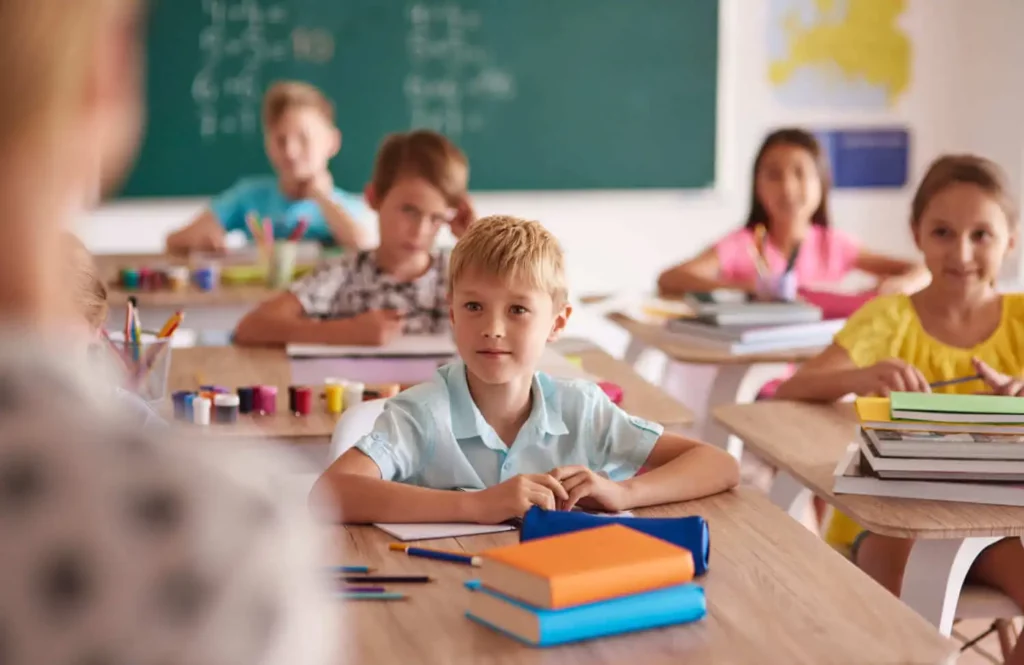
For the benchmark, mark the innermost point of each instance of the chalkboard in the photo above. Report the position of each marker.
(541, 94)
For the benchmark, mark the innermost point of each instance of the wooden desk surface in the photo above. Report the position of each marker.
(233, 366)
(657, 337)
(807, 440)
(775, 593)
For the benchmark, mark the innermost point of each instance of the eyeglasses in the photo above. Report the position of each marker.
(415, 215)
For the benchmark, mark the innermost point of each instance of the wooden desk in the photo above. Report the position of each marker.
(775, 594)
(218, 310)
(639, 397)
(737, 381)
(806, 441)
(233, 366)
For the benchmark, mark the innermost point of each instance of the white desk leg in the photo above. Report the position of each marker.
(633, 351)
(787, 493)
(736, 384)
(935, 575)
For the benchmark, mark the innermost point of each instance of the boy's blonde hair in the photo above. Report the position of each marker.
(514, 249)
(87, 288)
(285, 95)
(424, 154)
(46, 47)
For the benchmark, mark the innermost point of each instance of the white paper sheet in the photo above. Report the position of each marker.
(406, 345)
(407, 532)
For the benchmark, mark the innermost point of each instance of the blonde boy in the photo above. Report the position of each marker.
(300, 138)
(492, 422)
(368, 297)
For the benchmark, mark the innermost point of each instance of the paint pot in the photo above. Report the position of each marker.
(189, 400)
(266, 400)
(303, 400)
(201, 411)
(334, 393)
(246, 400)
(225, 409)
(129, 278)
(178, 400)
(177, 278)
(206, 277)
(353, 394)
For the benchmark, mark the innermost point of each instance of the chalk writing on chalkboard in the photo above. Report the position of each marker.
(450, 80)
(238, 40)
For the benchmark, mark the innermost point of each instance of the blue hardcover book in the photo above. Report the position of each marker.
(673, 605)
(688, 532)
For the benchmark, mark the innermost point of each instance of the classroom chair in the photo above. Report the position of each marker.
(354, 422)
(981, 602)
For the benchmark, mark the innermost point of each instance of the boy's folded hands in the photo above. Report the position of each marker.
(562, 488)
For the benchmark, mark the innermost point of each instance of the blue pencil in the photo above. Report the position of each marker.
(351, 569)
(439, 555)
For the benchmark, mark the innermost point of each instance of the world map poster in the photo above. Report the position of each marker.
(841, 54)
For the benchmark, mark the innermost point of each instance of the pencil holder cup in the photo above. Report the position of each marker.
(146, 366)
(282, 264)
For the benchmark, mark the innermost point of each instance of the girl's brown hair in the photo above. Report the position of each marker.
(88, 290)
(800, 139)
(968, 169)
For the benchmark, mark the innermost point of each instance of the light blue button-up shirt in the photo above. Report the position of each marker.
(433, 435)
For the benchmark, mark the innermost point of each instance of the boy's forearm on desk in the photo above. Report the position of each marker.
(701, 471)
(364, 500)
(255, 329)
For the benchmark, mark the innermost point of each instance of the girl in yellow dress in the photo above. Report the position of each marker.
(965, 224)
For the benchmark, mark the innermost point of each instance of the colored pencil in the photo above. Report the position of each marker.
(299, 230)
(387, 579)
(387, 595)
(351, 569)
(792, 257)
(953, 382)
(439, 555)
(364, 589)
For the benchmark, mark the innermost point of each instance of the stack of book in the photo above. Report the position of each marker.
(585, 584)
(967, 448)
(726, 322)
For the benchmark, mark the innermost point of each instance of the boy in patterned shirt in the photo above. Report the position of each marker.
(369, 297)
(491, 422)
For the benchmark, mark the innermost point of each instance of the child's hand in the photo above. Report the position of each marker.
(377, 327)
(892, 375)
(590, 490)
(464, 216)
(318, 188)
(515, 496)
(1001, 384)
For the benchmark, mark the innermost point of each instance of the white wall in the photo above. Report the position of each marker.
(967, 93)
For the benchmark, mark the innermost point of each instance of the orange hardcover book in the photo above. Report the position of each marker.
(585, 567)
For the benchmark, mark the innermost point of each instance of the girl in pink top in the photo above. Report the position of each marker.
(789, 199)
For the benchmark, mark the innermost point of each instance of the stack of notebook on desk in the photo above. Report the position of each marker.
(586, 584)
(726, 322)
(967, 448)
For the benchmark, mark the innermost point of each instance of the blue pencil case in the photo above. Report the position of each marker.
(690, 532)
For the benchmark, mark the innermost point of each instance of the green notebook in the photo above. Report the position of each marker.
(957, 408)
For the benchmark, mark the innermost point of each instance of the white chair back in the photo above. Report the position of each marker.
(354, 423)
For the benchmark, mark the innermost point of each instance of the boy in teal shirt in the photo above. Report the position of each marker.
(300, 139)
